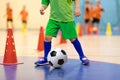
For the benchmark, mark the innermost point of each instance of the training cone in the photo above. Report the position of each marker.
(10, 51)
(79, 29)
(108, 29)
(62, 41)
(41, 40)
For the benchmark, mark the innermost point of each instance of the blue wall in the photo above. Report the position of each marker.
(111, 13)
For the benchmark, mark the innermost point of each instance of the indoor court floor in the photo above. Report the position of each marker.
(103, 52)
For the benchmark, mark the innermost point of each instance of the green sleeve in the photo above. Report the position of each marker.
(45, 2)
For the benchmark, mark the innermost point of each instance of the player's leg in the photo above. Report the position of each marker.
(12, 25)
(96, 25)
(24, 26)
(78, 48)
(86, 25)
(69, 32)
(47, 45)
(11, 22)
(47, 48)
(51, 31)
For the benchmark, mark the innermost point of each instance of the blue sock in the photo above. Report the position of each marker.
(47, 48)
(78, 48)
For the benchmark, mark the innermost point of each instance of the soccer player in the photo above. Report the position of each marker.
(97, 13)
(24, 16)
(9, 16)
(61, 18)
(87, 16)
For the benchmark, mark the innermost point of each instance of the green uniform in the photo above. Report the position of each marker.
(61, 13)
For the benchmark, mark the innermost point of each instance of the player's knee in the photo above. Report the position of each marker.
(72, 40)
(48, 38)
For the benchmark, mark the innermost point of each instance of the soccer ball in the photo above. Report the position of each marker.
(57, 57)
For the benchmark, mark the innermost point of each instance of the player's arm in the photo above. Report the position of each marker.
(77, 7)
(44, 5)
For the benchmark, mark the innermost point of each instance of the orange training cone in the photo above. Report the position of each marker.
(79, 29)
(62, 41)
(10, 52)
(41, 40)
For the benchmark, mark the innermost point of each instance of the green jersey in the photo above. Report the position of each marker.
(60, 10)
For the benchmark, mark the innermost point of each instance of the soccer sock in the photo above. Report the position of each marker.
(47, 48)
(78, 47)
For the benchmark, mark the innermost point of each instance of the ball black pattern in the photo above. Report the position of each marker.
(57, 57)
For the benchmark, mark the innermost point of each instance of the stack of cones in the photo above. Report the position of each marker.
(62, 41)
(41, 40)
(79, 29)
(108, 29)
(10, 51)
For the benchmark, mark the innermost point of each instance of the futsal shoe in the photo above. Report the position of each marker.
(84, 60)
(41, 62)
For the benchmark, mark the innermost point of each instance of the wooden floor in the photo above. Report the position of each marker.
(99, 49)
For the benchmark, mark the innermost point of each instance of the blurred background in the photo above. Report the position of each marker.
(110, 15)
(101, 45)
(35, 20)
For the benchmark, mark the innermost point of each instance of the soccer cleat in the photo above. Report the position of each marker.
(41, 62)
(84, 60)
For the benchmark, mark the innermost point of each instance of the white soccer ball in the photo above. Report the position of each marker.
(57, 57)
